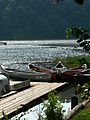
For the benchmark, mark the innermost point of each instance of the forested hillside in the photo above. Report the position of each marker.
(41, 19)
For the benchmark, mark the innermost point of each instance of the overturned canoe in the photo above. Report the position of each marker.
(52, 73)
(16, 74)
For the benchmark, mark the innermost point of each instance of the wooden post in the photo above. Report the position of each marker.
(74, 101)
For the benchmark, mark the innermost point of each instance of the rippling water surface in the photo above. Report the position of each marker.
(38, 50)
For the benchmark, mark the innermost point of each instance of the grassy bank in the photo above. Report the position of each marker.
(72, 61)
(83, 114)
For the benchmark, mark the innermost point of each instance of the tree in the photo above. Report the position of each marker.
(81, 35)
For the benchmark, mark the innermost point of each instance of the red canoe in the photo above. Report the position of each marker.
(48, 71)
(69, 74)
(60, 74)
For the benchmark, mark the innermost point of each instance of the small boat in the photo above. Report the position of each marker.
(68, 75)
(55, 72)
(60, 73)
(16, 74)
(83, 76)
(60, 68)
(39, 69)
(3, 43)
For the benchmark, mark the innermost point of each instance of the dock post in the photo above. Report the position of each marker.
(74, 101)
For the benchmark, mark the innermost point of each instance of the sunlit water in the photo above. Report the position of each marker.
(29, 51)
(17, 53)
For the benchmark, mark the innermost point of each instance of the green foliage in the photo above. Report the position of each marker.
(52, 108)
(83, 90)
(80, 34)
(73, 61)
(76, 32)
(5, 116)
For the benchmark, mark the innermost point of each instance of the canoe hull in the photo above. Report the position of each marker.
(24, 75)
(68, 75)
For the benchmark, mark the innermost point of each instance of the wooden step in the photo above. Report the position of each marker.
(17, 85)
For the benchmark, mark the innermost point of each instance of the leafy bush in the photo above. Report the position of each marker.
(52, 108)
(83, 90)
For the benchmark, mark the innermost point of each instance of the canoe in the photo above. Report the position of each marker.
(68, 75)
(16, 74)
(53, 74)
(38, 69)
(60, 73)
(59, 68)
(83, 76)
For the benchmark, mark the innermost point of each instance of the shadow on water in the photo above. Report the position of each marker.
(67, 92)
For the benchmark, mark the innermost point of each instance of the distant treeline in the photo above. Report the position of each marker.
(41, 19)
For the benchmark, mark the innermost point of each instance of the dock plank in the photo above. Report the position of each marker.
(18, 100)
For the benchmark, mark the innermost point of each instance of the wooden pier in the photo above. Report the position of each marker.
(18, 100)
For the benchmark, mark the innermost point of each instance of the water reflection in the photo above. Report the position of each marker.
(32, 114)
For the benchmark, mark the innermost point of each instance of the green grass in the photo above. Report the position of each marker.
(83, 114)
(71, 61)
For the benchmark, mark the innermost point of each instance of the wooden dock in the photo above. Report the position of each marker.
(9, 104)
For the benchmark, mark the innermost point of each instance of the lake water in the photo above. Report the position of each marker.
(17, 53)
